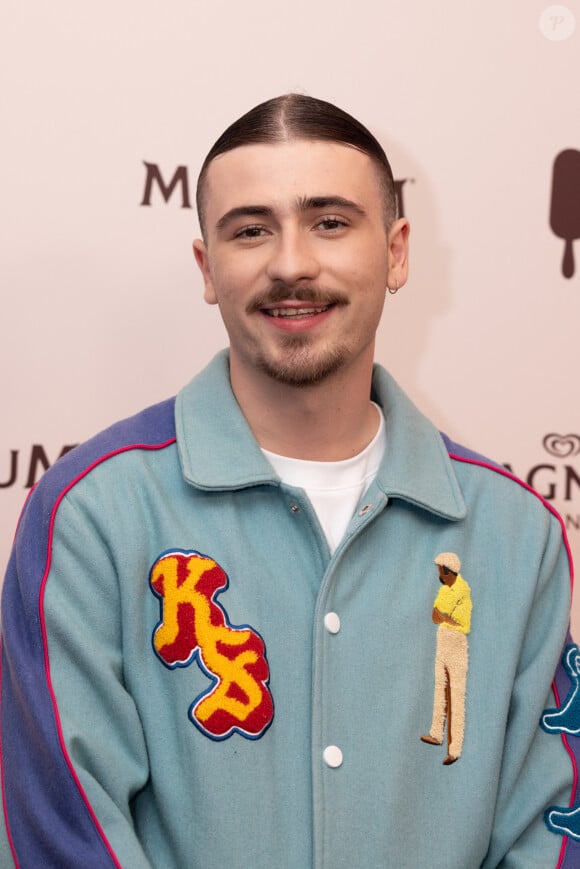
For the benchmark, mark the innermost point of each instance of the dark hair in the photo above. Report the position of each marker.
(296, 116)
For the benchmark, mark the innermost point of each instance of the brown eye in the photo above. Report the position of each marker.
(331, 224)
(250, 232)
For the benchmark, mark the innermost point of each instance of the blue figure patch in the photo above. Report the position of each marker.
(566, 720)
(566, 822)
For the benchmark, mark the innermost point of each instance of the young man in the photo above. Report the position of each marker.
(218, 648)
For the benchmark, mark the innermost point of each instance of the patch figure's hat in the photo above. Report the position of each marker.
(449, 560)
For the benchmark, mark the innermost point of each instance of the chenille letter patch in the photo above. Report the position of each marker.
(194, 626)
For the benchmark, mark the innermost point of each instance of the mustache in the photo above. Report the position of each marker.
(283, 293)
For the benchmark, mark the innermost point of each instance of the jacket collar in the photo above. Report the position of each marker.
(218, 451)
(416, 466)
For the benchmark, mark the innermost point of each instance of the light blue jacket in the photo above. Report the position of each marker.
(170, 686)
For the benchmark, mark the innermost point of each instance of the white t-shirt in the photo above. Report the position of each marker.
(334, 488)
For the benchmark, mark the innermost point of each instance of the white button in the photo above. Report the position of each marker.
(332, 756)
(332, 623)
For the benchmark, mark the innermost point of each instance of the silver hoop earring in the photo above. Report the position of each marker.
(393, 291)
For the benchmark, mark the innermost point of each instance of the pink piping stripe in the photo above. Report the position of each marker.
(505, 473)
(510, 476)
(44, 634)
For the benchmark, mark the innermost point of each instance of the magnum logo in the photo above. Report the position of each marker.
(179, 180)
(194, 626)
(565, 205)
(562, 446)
(32, 463)
(558, 479)
(178, 184)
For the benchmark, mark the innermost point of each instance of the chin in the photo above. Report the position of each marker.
(302, 368)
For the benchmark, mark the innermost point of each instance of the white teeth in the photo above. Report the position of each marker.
(295, 312)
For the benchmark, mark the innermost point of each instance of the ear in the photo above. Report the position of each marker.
(202, 259)
(398, 253)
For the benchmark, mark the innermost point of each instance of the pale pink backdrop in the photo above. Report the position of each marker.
(102, 309)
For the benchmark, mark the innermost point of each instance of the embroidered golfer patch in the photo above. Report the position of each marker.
(452, 615)
(194, 626)
(565, 820)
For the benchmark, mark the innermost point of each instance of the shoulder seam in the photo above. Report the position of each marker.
(503, 472)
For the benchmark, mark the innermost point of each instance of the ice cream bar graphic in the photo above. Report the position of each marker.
(565, 207)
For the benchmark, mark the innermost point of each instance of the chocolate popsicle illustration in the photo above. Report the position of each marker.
(565, 206)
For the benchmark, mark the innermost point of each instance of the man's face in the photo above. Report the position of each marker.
(446, 576)
(297, 257)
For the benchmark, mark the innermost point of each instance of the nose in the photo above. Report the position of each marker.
(292, 258)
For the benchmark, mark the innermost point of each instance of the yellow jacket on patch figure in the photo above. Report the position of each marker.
(452, 612)
(455, 602)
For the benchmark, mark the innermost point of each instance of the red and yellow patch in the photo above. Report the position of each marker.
(194, 625)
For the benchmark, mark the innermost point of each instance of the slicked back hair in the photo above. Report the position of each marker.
(293, 117)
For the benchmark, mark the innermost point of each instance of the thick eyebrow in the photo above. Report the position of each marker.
(311, 203)
(243, 211)
(305, 203)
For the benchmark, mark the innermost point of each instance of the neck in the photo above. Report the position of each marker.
(328, 421)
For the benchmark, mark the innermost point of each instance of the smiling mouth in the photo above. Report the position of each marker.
(295, 313)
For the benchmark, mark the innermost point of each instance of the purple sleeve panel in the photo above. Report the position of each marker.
(566, 687)
(48, 817)
(567, 818)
